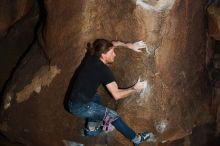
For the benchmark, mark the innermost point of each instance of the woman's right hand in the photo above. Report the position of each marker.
(140, 85)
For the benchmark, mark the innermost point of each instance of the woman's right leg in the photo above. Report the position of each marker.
(98, 112)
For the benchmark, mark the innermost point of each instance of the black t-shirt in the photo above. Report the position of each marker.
(91, 73)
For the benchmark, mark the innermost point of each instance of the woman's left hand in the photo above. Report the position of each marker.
(137, 46)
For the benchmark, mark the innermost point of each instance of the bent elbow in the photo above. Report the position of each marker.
(116, 97)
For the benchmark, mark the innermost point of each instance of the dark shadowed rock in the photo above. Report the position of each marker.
(18, 20)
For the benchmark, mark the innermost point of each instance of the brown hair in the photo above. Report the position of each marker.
(99, 46)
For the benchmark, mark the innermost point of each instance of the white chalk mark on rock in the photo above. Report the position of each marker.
(148, 50)
(160, 6)
(144, 93)
(161, 126)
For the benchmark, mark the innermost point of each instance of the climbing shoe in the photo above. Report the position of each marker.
(144, 136)
(93, 129)
(95, 132)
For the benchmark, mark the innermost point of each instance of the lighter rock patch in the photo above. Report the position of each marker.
(144, 93)
(42, 78)
(7, 101)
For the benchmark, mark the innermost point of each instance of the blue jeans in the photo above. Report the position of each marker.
(94, 111)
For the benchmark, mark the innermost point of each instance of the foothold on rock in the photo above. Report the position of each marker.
(161, 126)
(71, 143)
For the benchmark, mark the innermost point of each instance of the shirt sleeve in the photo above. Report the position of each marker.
(107, 76)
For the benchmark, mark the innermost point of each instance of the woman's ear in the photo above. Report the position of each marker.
(102, 56)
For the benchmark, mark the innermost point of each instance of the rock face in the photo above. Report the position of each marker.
(177, 96)
(18, 20)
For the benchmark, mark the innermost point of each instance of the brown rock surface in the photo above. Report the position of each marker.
(201, 136)
(176, 99)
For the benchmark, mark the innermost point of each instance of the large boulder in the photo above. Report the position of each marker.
(174, 101)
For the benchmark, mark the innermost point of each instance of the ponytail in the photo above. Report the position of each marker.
(98, 47)
(90, 49)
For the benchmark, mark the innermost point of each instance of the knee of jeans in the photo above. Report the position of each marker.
(112, 114)
(73, 108)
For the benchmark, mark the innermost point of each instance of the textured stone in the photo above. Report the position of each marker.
(202, 135)
(18, 19)
(214, 21)
(177, 96)
(11, 12)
